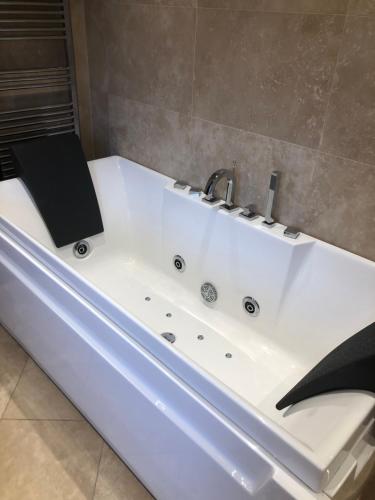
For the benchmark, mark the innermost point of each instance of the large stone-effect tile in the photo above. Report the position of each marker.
(362, 7)
(265, 72)
(98, 24)
(37, 397)
(302, 6)
(174, 3)
(150, 53)
(254, 157)
(216, 146)
(325, 196)
(350, 122)
(154, 137)
(99, 102)
(116, 481)
(46, 460)
(12, 362)
(337, 205)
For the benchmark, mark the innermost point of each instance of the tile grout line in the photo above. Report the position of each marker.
(15, 387)
(253, 11)
(269, 137)
(330, 92)
(194, 63)
(192, 103)
(98, 469)
(282, 141)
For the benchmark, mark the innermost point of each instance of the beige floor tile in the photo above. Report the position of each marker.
(116, 481)
(12, 362)
(48, 460)
(37, 397)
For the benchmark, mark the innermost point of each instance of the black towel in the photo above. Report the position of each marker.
(55, 172)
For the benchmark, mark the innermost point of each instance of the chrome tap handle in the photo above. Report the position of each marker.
(250, 212)
(268, 219)
(180, 184)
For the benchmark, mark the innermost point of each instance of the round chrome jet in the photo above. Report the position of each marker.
(209, 292)
(81, 249)
(251, 306)
(179, 263)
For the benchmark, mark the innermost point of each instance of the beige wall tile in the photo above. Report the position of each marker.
(116, 481)
(98, 26)
(101, 123)
(302, 6)
(255, 157)
(350, 124)
(337, 204)
(12, 363)
(215, 146)
(174, 3)
(37, 397)
(262, 75)
(150, 54)
(329, 197)
(152, 136)
(82, 75)
(267, 73)
(361, 7)
(46, 460)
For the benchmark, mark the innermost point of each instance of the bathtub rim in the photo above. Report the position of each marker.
(286, 449)
(315, 470)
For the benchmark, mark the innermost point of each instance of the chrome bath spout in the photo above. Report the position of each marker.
(213, 181)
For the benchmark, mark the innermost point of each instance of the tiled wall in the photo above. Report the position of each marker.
(190, 86)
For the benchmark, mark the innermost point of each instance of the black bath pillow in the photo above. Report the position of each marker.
(351, 366)
(55, 172)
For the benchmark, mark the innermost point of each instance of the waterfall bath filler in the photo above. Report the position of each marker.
(178, 329)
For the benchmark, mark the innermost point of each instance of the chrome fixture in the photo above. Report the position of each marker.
(180, 185)
(249, 213)
(212, 182)
(291, 232)
(179, 263)
(171, 337)
(251, 306)
(268, 219)
(194, 190)
(81, 249)
(209, 292)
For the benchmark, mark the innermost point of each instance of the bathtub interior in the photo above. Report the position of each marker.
(312, 296)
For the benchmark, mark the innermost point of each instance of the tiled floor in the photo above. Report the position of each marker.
(47, 449)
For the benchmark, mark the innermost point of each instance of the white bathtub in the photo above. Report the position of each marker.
(190, 421)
